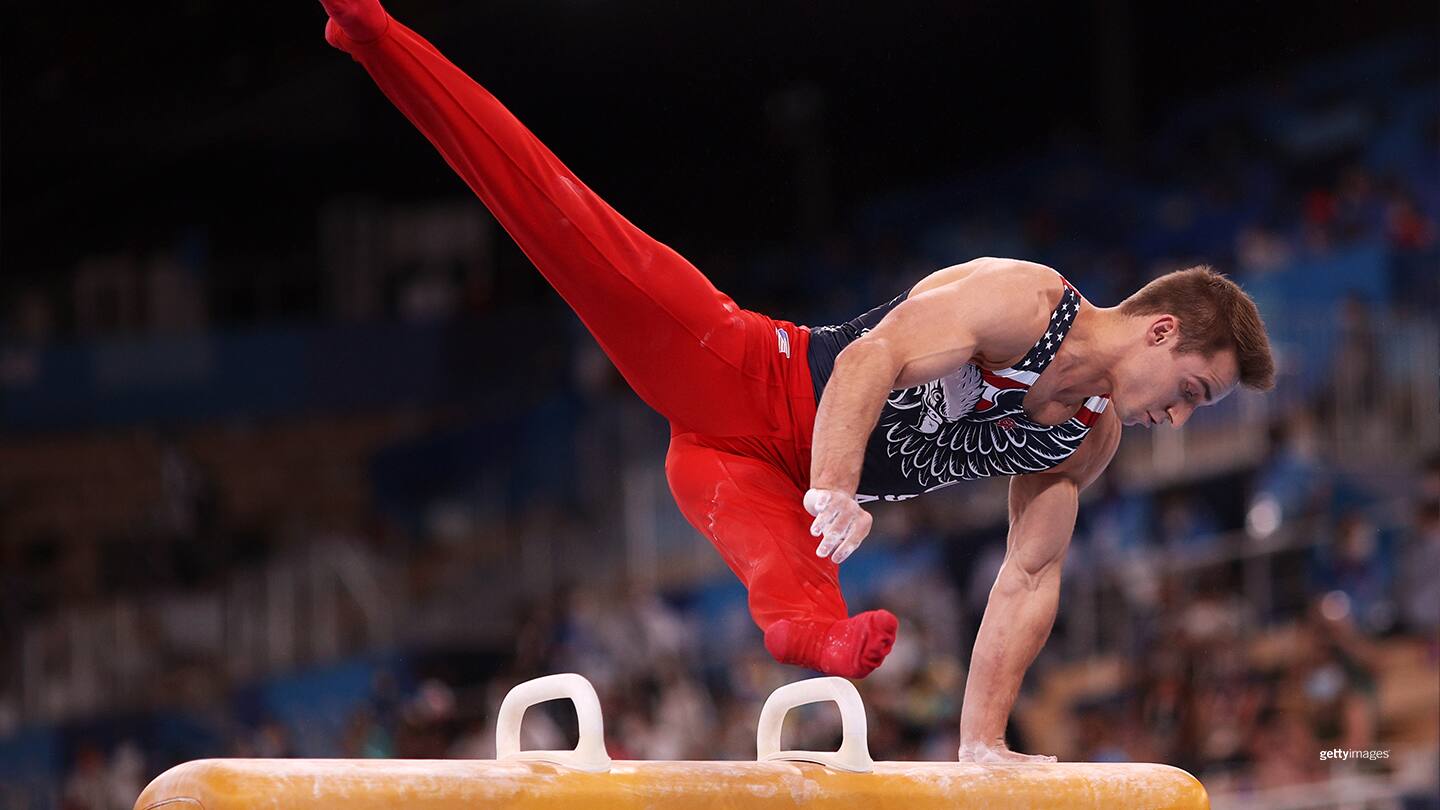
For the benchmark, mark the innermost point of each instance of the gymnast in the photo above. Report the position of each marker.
(780, 432)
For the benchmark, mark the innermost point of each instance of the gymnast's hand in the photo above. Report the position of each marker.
(997, 754)
(839, 519)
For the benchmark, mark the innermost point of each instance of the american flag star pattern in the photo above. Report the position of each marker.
(1061, 320)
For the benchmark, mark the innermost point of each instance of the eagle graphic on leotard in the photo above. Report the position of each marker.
(961, 428)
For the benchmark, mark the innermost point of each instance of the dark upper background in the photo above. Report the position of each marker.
(127, 124)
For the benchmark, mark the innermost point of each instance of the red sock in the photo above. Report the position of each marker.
(850, 648)
(361, 21)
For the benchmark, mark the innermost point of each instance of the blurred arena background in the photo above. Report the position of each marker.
(300, 458)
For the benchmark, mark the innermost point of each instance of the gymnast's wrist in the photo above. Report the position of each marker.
(838, 477)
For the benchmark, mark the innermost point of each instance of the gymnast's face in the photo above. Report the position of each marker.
(1155, 384)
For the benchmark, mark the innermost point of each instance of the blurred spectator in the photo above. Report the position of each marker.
(1356, 384)
(272, 739)
(1187, 526)
(365, 738)
(1285, 751)
(87, 787)
(1358, 210)
(1407, 227)
(1259, 250)
(1419, 585)
(1359, 563)
(1121, 522)
(1430, 481)
(1293, 480)
(424, 724)
(127, 774)
(96, 783)
(1332, 684)
(1232, 706)
(188, 514)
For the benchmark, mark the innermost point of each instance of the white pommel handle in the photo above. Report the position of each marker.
(589, 754)
(854, 752)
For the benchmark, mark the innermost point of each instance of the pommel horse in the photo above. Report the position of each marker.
(586, 777)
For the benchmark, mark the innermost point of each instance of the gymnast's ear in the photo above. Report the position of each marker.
(1163, 330)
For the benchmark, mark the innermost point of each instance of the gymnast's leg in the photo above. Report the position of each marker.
(680, 343)
(752, 513)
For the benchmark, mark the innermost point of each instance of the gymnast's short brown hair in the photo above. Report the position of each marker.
(1214, 315)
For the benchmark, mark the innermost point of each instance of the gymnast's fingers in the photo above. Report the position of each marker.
(823, 521)
(827, 545)
(836, 538)
(854, 536)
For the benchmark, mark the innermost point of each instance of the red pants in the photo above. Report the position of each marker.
(734, 384)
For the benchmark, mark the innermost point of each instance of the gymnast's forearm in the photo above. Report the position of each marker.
(863, 375)
(1018, 619)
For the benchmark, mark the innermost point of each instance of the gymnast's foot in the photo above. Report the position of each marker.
(850, 648)
(998, 753)
(360, 21)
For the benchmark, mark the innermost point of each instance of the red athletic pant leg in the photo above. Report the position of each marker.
(753, 514)
(751, 511)
(712, 369)
(681, 344)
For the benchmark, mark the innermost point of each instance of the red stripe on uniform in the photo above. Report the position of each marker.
(1001, 382)
(1086, 416)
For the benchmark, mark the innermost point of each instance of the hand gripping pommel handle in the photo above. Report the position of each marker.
(589, 754)
(854, 752)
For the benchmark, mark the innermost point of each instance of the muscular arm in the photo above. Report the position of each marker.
(991, 313)
(1023, 601)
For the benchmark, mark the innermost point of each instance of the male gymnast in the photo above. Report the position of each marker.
(990, 367)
